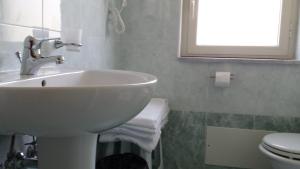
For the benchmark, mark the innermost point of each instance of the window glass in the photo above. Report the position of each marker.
(238, 22)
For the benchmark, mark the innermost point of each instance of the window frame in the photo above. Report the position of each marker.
(285, 50)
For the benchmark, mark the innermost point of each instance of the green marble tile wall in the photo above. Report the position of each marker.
(184, 135)
(261, 96)
(150, 44)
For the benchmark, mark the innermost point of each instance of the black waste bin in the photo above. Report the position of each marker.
(122, 161)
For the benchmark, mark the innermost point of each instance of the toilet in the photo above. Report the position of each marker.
(282, 149)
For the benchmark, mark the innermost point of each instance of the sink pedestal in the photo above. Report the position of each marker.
(77, 152)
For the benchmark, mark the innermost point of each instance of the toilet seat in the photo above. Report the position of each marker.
(286, 145)
(279, 160)
(281, 153)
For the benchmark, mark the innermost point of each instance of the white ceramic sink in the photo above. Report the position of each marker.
(73, 102)
(63, 109)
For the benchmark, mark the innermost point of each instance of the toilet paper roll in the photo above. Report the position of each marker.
(222, 79)
(71, 35)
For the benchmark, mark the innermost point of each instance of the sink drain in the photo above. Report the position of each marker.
(44, 83)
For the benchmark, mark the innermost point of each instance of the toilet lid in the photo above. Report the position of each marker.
(287, 142)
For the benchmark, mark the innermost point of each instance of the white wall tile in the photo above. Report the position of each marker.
(21, 12)
(52, 14)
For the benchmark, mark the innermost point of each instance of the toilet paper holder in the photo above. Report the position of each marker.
(231, 76)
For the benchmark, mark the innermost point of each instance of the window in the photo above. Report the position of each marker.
(239, 28)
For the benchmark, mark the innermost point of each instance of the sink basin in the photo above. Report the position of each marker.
(63, 110)
(70, 103)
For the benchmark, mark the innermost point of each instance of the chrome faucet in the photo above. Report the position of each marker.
(32, 58)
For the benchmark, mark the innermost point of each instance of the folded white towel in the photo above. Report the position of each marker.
(151, 116)
(146, 144)
(138, 129)
(144, 129)
(132, 132)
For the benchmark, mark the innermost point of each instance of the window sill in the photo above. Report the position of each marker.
(239, 60)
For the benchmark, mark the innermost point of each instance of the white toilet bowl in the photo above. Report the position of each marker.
(283, 150)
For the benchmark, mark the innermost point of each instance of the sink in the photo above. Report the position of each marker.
(66, 110)
(71, 103)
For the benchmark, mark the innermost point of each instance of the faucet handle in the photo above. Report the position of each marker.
(19, 56)
(48, 39)
(58, 44)
(40, 42)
